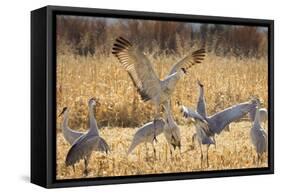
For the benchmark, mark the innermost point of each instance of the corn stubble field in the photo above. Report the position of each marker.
(227, 81)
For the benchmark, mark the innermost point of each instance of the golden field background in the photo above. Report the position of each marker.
(227, 81)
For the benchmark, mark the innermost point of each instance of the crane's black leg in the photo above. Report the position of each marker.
(154, 122)
(192, 146)
(215, 143)
(86, 172)
(154, 152)
(258, 159)
(146, 150)
(73, 167)
(208, 155)
(201, 157)
(154, 131)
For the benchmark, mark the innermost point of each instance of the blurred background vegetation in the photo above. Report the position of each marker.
(87, 36)
(235, 68)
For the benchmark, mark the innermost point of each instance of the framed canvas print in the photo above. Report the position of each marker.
(125, 96)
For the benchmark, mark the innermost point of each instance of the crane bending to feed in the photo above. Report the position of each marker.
(168, 126)
(83, 147)
(144, 78)
(145, 134)
(218, 121)
(258, 135)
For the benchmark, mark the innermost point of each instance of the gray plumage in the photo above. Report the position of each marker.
(144, 78)
(217, 122)
(258, 135)
(172, 131)
(69, 134)
(201, 105)
(83, 147)
(220, 120)
(263, 115)
(202, 134)
(145, 134)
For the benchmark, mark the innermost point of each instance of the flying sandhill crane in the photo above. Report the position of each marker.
(217, 122)
(258, 135)
(83, 147)
(69, 134)
(144, 78)
(145, 134)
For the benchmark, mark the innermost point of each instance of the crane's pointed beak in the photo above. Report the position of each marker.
(199, 83)
(97, 101)
(184, 70)
(63, 110)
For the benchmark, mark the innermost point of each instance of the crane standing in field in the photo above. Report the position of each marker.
(258, 135)
(171, 131)
(144, 78)
(217, 122)
(145, 134)
(202, 131)
(83, 147)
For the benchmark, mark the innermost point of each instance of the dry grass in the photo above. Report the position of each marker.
(227, 81)
(234, 151)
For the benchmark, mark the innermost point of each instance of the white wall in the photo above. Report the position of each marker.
(15, 97)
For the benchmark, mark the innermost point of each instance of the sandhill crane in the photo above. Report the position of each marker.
(217, 122)
(83, 147)
(144, 78)
(258, 135)
(202, 131)
(145, 134)
(69, 134)
(167, 126)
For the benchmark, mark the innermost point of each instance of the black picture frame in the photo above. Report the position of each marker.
(43, 96)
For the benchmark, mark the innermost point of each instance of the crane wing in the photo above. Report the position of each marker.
(220, 120)
(189, 113)
(201, 122)
(83, 147)
(138, 67)
(189, 60)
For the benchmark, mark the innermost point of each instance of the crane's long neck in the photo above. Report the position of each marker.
(169, 119)
(93, 122)
(257, 116)
(201, 93)
(201, 106)
(65, 121)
